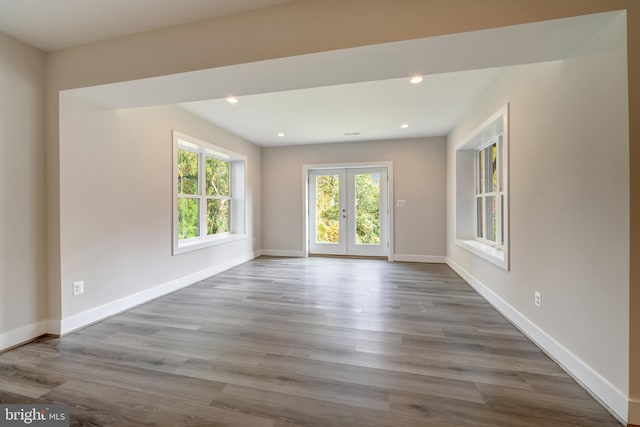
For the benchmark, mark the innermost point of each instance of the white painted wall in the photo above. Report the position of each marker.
(303, 27)
(22, 196)
(116, 204)
(419, 178)
(569, 195)
(317, 28)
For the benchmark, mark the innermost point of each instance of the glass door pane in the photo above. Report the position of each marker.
(327, 205)
(367, 214)
(327, 212)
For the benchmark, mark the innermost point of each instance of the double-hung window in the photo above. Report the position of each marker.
(208, 194)
(490, 193)
(482, 190)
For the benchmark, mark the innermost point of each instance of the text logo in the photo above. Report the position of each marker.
(53, 415)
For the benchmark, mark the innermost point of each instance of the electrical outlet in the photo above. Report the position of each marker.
(537, 299)
(78, 287)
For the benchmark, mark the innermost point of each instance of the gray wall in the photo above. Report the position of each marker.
(419, 178)
(298, 27)
(23, 285)
(569, 201)
(116, 202)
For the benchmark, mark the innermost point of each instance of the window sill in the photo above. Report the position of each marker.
(489, 253)
(183, 247)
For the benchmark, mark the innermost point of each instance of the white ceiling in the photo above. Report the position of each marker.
(318, 97)
(374, 110)
(56, 24)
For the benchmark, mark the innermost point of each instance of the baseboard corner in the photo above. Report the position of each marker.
(22, 335)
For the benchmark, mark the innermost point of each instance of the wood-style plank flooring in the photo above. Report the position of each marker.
(284, 342)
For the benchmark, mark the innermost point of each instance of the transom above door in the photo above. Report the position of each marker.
(348, 212)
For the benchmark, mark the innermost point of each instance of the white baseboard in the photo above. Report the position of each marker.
(396, 257)
(96, 314)
(22, 334)
(616, 401)
(420, 258)
(277, 252)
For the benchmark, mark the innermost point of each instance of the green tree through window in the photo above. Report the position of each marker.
(368, 209)
(328, 209)
(188, 202)
(367, 198)
(218, 195)
(216, 198)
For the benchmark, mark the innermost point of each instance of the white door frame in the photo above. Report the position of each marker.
(305, 197)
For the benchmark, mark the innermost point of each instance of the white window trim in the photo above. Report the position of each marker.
(496, 254)
(237, 180)
(488, 252)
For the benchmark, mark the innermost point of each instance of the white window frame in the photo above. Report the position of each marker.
(237, 180)
(493, 130)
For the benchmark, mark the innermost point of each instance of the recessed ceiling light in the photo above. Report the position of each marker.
(351, 133)
(416, 79)
(404, 126)
(232, 100)
(281, 134)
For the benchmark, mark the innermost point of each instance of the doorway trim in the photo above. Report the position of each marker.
(358, 165)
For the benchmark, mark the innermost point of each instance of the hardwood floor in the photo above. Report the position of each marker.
(304, 342)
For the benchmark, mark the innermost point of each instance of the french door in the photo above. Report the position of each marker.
(348, 212)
